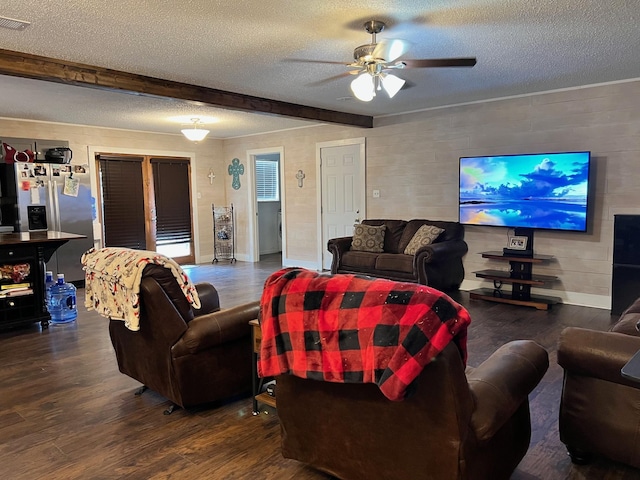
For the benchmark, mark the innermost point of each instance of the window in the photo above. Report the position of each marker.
(267, 181)
(123, 207)
(147, 204)
(173, 206)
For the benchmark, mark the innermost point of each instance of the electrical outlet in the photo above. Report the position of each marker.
(376, 194)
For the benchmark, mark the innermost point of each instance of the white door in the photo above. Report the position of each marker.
(343, 193)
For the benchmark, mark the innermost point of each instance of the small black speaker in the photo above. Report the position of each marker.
(625, 282)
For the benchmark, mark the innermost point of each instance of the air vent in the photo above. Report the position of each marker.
(13, 24)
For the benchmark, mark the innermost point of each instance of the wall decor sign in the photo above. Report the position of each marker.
(235, 170)
(300, 177)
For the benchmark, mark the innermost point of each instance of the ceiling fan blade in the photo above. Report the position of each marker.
(390, 49)
(329, 79)
(440, 62)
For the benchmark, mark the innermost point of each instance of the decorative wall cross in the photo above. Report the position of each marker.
(300, 176)
(211, 176)
(235, 170)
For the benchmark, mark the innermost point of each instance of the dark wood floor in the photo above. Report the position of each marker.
(67, 413)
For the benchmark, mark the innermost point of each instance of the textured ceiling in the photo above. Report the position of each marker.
(249, 47)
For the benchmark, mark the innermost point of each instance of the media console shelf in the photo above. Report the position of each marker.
(521, 278)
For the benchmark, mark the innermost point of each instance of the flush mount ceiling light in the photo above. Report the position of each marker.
(194, 133)
(13, 24)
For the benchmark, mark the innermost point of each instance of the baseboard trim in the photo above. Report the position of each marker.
(570, 298)
(204, 259)
(244, 258)
(270, 252)
(209, 259)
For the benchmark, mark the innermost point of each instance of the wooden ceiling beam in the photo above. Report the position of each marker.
(18, 64)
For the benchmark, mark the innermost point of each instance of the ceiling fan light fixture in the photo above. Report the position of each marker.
(194, 133)
(363, 88)
(392, 84)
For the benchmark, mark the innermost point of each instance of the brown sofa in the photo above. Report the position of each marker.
(189, 356)
(599, 407)
(438, 265)
(454, 426)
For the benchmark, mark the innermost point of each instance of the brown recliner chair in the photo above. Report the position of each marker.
(454, 426)
(190, 356)
(599, 407)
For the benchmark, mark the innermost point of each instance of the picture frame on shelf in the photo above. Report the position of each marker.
(518, 242)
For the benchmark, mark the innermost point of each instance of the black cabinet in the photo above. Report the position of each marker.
(625, 285)
(22, 266)
(22, 286)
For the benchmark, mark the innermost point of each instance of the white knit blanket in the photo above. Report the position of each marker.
(112, 282)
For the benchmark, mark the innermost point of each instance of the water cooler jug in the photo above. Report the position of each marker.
(62, 301)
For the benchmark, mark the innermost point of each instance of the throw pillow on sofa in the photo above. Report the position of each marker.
(368, 238)
(425, 235)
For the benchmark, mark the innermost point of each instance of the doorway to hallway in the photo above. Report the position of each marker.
(266, 202)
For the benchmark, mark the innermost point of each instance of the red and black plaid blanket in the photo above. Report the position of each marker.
(354, 329)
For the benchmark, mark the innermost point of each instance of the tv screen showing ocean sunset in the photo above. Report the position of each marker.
(548, 191)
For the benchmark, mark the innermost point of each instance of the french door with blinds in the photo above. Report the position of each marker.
(146, 204)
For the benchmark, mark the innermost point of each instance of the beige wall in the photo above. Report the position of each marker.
(300, 204)
(413, 160)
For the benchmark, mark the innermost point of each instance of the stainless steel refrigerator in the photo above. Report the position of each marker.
(44, 202)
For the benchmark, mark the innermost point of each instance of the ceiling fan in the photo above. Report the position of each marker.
(374, 60)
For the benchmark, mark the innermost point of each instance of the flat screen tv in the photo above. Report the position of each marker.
(535, 191)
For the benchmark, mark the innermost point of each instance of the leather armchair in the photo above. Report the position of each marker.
(189, 356)
(599, 407)
(456, 425)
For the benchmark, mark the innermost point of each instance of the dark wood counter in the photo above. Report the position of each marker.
(37, 237)
(56, 238)
(22, 268)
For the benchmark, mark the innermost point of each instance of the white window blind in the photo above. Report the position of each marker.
(267, 181)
